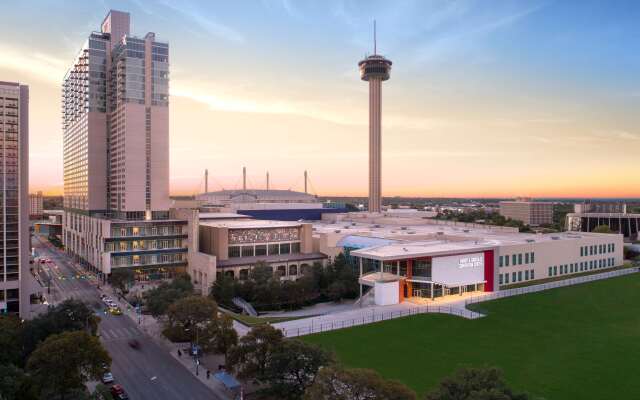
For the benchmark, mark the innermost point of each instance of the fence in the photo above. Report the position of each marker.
(551, 285)
(377, 317)
(461, 312)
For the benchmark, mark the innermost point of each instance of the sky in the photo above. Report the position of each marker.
(486, 99)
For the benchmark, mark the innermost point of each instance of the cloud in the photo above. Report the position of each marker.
(41, 66)
(314, 110)
(205, 23)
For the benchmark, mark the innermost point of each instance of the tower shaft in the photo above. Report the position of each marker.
(375, 145)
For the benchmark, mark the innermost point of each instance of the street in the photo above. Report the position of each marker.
(147, 373)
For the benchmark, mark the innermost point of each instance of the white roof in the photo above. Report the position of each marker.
(249, 224)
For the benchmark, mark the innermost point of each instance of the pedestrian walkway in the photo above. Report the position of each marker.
(119, 334)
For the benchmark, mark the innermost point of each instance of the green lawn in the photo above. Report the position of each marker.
(579, 342)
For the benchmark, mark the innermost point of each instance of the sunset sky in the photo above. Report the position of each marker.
(499, 98)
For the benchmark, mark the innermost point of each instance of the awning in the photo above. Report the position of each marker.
(227, 380)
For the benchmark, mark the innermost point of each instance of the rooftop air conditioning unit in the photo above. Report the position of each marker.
(555, 238)
(376, 226)
(530, 240)
(337, 231)
(439, 233)
(465, 230)
(404, 228)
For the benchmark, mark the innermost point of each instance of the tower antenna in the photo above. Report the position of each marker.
(375, 47)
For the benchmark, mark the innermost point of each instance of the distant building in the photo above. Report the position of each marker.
(588, 216)
(15, 278)
(529, 212)
(601, 207)
(35, 205)
(271, 204)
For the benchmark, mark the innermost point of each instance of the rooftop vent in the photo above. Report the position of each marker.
(353, 224)
(555, 238)
(376, 226)
(439, 233)
(530, 240)
(465, 230)
(410, 232)
(404, 228)
(337, 231)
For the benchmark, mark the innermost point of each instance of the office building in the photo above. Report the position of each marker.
(116, 155)
(529, 212)
(15, 277)
(614, 215)
(35, 205)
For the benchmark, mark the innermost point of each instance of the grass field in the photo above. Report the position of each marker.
(579, 342)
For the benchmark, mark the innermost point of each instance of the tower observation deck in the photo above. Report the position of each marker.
(375, 69)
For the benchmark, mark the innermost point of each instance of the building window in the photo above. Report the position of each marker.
(526, 258)
(247, 251)
(234, 251)
(514, 259)
(506, 278)
(501, 262)
(500, 279)
(514, 275)
(613, 247)
(531, 275)
(519, 276)
(526, 275)
(581, 251)
(555, 270)
(533, 257)
(261, 250)
(506, 261)
(285, 248)
(295, 248)
(274, 249)
(550, 271)
(520, 259)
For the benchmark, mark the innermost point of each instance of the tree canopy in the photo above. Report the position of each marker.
(65, 362)
(475, 384)
(158, 300)
(121, 279)
(336, 383)
(602, 229)
(252, 356)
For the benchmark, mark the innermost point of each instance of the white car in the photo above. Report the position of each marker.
(107, 377)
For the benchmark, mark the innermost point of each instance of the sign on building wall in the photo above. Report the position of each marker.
(466, 269)
(240, 236)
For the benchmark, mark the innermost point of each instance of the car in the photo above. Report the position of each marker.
(107, 377)
(115, 311)
(118, 393)
(134, 344)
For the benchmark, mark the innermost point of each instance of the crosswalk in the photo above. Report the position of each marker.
(119, 333)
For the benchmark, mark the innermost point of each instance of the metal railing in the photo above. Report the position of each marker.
(550, 285)
(377, 317)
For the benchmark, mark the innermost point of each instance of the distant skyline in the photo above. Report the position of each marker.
(536, 98)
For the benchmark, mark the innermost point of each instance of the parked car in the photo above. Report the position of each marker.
(134, 344)
(107, 377)
(118, 393)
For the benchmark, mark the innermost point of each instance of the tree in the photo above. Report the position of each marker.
(335, 383)
(158, 300)
(70, 315)
(251, 357)
(474, 384)
(223, 290)
(602, 229)
(15, 384)
(10, 340)
(190, 314)
(65, 362)
(293, 368)
(226, 336)
(261, 273)
(121, 279)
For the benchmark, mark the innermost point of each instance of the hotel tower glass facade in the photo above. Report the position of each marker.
(116, 154)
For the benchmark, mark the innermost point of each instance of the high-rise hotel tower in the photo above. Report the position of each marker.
(115, 100)
(15, 278)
